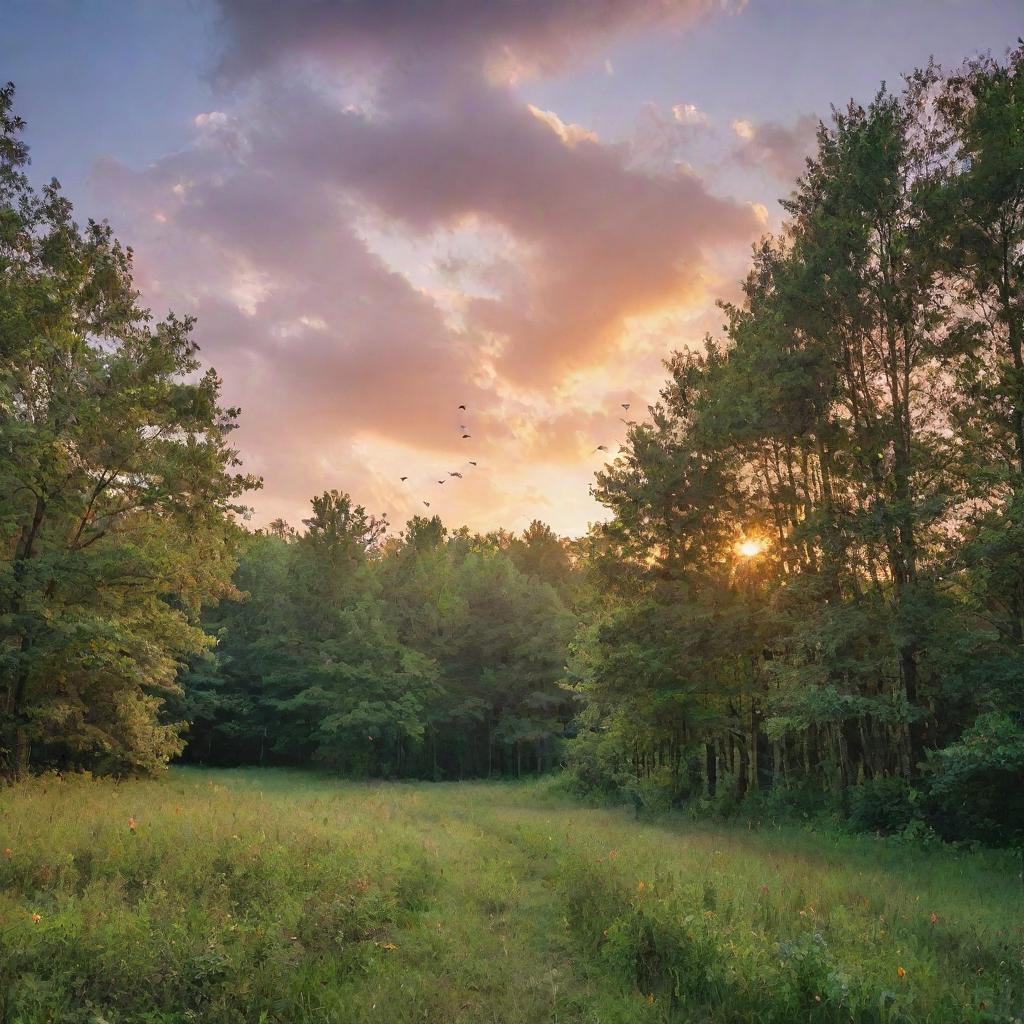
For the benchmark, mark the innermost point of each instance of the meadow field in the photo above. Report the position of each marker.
(272, 896)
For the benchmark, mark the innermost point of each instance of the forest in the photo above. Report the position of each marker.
(807, 597)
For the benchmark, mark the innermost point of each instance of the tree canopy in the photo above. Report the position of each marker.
(118, 490)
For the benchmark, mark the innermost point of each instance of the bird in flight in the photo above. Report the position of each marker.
(600, 448)
(471, 462)
(427, 503)
(464, 436)
(459, 475)
(403, 478)
(441, 481)
(625, 405)
(462, 407)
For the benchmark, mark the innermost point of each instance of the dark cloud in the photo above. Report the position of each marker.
(347, 365)
(528, 35)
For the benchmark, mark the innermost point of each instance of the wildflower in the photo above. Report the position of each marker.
(36, 918)
(640, 886)
(131, 824)
(901, 972)
(934, 918)
(708, 914)
(612, 854)
(388, 946)
(7, 852)
(764, 889)
(650, 998)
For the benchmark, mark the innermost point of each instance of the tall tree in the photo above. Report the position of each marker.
(117, 490)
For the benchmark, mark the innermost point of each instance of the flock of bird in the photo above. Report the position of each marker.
(457, 474)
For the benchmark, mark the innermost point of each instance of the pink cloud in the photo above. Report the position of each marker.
(780, 149)
(343, 363)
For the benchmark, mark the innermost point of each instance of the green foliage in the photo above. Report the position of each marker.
(885, 804)
(812, 580)
(117, 491)
(420, 655)
(977, 783)
(597, 764)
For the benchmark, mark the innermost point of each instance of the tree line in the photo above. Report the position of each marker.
(425, 654)
(809, 592)
(817, 551)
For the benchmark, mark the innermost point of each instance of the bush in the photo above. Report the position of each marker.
(596, 765)
(885, 804)
(976, 786)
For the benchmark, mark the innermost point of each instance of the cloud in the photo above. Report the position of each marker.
(570, 134)
(688, 113)
(664, 141)
(518, 36)
(777, 148)
(394, 231)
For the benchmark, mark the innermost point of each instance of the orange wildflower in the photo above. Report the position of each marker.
(7, 852)
(36, 918)
(901, 972)
(934, 918)
(131, 824)
(640, 886)
(388, 946)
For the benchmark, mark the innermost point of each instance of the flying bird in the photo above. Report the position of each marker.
(459, 475)
(600, 448)
(464, 436)
(625, 405)
(462, 407)
(441, 481)
(427, 503)
(471, 462)
(403, 478)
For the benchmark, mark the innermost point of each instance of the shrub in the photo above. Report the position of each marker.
(885, 804)
(976, 785)
(596, 765)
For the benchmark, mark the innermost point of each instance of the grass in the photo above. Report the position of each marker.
(271, 896)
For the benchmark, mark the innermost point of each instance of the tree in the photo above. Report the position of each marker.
(117, 495)
(814, 567)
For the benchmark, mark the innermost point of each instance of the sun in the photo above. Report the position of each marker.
(749, 548)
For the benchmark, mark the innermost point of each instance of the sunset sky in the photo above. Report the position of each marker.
(379, 210)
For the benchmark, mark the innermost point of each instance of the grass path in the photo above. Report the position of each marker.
(277, 897)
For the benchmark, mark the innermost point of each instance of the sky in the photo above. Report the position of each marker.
(380, 210)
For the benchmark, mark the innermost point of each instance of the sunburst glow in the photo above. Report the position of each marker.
(749, 547)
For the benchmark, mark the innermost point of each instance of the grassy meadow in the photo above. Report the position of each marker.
(270, 896)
